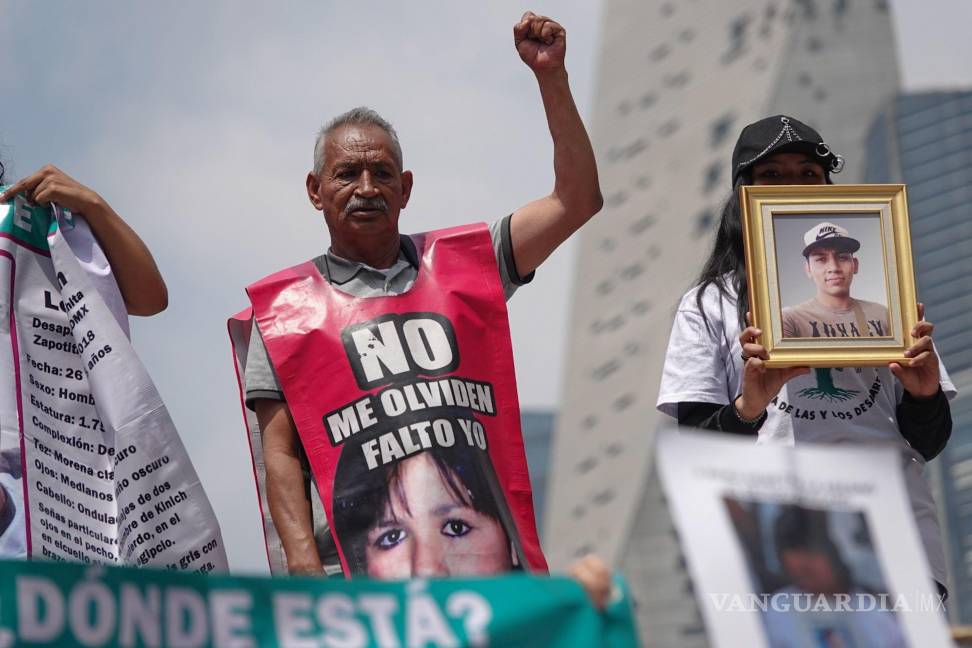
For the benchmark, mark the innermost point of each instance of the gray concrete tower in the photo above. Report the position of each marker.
(677, 82)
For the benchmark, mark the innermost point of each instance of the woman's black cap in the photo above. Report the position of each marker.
(780, 134)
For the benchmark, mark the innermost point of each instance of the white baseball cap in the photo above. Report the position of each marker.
(831, 236)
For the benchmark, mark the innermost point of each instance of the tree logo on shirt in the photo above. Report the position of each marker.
(825, 388)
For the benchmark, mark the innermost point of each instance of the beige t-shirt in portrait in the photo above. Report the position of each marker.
(812, 319)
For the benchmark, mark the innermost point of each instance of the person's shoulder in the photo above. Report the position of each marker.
(319, 262)
(872, 306)
(708, 309)
(459, 230)
(498, 232)
(689, 303)
(794, 310)
(873, 310)
(713, 298)
(788, 311)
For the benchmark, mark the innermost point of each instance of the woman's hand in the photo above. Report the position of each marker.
(920, 377)
(760, 384)
(138, 278)
(51, 185)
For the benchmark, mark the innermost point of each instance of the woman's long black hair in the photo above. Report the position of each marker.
(1, 172)
(726, 266)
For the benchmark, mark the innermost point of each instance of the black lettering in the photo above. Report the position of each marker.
(50, 303)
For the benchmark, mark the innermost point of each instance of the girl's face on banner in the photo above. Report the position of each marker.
(426, 531)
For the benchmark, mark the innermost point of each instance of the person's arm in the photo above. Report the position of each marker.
(537, 228)
(139, 280)
(920, 377)
(924, 416)
(925, 423)
(760, 384)
(290, 507)
(718, 418)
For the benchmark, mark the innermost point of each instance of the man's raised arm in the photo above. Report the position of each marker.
(537, 228)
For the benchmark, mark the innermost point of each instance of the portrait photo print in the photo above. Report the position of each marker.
(832, 275)
(817, 572)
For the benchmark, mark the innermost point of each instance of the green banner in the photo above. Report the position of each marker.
(26, 223)
(52, 604)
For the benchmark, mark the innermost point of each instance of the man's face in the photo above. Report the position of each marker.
(788, 169)
(810, 570)
(361, 189)
(831, 270)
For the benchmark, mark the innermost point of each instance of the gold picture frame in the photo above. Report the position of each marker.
(789, 229)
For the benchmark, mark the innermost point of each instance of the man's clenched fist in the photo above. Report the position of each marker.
(541, 42)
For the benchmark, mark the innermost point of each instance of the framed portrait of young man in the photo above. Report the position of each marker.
(831, 276)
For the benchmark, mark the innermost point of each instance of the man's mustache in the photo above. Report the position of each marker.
(357, 203)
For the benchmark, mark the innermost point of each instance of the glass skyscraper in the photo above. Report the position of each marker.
(537, 426)
(925, 141)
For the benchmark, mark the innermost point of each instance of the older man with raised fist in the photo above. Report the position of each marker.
(381, 372)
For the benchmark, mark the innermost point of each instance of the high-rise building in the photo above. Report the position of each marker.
(952, 479)
(537, 426)
(677, 81)
(925, 141)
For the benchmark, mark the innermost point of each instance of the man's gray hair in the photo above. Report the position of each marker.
(360, 116)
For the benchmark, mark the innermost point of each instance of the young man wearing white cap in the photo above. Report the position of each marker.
(830, 263)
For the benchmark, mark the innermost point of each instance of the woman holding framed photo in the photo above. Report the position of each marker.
(715, 376)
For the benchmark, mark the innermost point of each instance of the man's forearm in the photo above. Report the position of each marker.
(291, 513)
(575, 169)
(290, 507)
(537, 228)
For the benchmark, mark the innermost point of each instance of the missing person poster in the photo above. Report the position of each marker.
(407, 410)
(812, 546)
(91, 467)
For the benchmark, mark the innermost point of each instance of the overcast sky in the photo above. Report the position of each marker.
(196, 121)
